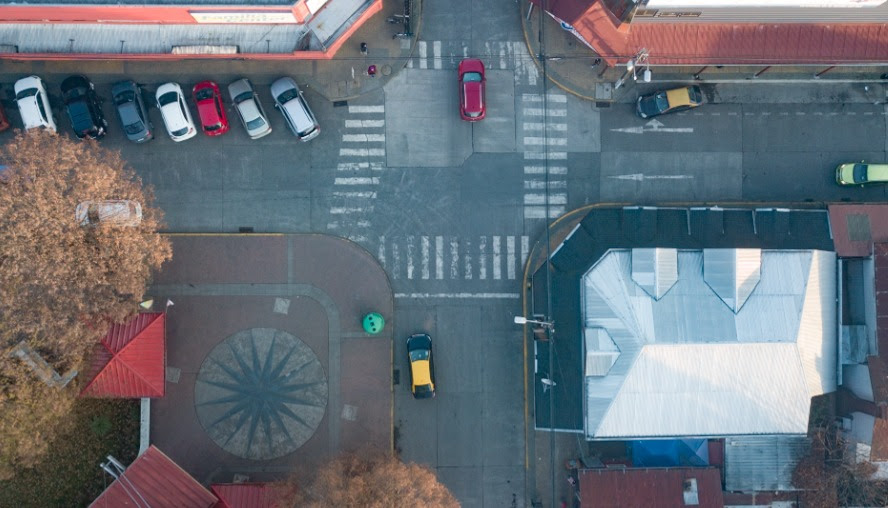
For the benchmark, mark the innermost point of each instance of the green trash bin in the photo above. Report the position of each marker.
(373, 323)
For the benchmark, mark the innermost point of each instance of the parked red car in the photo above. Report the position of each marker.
(472, 106)
(210, 109)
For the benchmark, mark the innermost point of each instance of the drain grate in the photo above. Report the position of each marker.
(396, 377)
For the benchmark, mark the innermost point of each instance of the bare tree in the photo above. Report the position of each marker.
(368, 480)
(62, 282)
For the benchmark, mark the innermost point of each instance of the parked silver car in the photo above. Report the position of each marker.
(249, 109)
(289, 100)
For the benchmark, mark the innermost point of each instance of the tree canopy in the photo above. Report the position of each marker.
(61, 282)
(369, 481)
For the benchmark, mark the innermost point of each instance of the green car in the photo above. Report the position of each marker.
(861, 173)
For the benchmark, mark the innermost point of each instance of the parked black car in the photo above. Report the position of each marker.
(83, 107)
(132, 112)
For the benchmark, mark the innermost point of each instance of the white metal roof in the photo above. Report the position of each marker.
(690, 366)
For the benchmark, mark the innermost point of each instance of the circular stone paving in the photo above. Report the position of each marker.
(261, 393)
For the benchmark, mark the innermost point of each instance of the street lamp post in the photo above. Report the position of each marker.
(641, 58)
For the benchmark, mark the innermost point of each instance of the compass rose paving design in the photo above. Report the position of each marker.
(261, 393)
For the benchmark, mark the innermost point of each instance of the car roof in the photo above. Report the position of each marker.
(248, 109)
(299, 113)
(877, 172)
(472, 96)
(678, 97)
(30, 112)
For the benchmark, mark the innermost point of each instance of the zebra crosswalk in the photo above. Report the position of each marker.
(426, 257)
(545, 155)
(495, 54)
(361, 161)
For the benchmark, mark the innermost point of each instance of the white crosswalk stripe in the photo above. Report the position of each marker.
(428, 258)
(361, 161)
(545, 129)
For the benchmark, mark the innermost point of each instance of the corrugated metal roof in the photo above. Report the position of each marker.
(154, 480)
(655, 270)
(244, 495)
(761, 463)
(130, 361)
(148, 38)
(732, 274)
(724, 43)
(663, 487)
(336, 18)
(781, 346)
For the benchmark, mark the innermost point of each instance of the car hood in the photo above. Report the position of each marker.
(33, 118)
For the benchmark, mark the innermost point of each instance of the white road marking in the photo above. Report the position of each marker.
(539, 212)
(345, 210)
(366, 109)
(363, 138)
(469, 296)
(439, 257)
(355, 195)
(538, 126)
(436, 54)
(423, 53)
(364, 124)
(533, 140)
(525, 248)
(540, 199)
(510, 257)
(541, 184)
(362, 152)
(396, 259)
(541, 170)
(553, 156)
(468, 259)
(381, 252)
(424, 259)
(454, 258)
(355, 166)
(482, 258)
(357, 180)
(542, 112)
(497, 261)
(640, 177)
(532, 97)
(410, 253)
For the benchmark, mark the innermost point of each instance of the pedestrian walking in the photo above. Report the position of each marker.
(364, 48)
(371, 71)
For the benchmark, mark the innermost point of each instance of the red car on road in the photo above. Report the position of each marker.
(472, 106)
(213, 119)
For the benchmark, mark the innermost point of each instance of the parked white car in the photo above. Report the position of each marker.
(289, 100)
(33, 103)
(175, 113)
(117, 212)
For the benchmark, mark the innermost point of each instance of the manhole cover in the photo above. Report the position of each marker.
(261, 393)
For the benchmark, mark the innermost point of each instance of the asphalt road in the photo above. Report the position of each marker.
(451, 209)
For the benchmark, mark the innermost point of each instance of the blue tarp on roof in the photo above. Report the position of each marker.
(670, 453)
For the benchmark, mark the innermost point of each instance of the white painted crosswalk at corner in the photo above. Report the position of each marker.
(545, 142)
(484, 258)
(361, 161)
(511, 55)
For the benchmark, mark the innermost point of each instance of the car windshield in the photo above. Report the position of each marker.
(26, 93)
(661, 101)
(473, 114)
(288, 96)
(423, 388)
(134, 128)
(860, 173)
(203, 94)
(419, 354)
(125, 97)
(255, 123)
(167, 98)
(243, 96)
(75, 93)
(181, 131)
(472, 76)
(214, 127)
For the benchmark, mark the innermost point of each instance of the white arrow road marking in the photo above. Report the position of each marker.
(640, 177)
(653, 126)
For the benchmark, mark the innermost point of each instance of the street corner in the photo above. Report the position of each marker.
(268, 361)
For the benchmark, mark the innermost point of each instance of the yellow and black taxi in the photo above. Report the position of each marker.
(422, 368)
(669, 101)
(861, 173)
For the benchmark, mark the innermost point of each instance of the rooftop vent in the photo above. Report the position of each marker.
(690, 492)
(732, 274)
(655, 270)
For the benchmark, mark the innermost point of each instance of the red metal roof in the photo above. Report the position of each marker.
(130, 361)
(154, 480)
(244, 495)
(856, 227)
(664, 488)
(724, 43)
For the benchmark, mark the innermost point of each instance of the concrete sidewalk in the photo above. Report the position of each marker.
(577, 69)
(340, 78)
